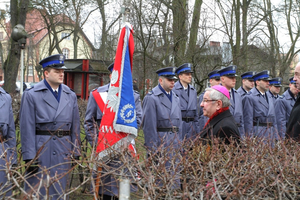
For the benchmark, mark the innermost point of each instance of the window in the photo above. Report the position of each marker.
(30, 70)
(66, 53)
(65, 36)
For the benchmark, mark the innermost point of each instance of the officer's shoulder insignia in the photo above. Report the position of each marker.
(94, 89)
(27, 89)
(281, 96)
(150, 92)
(136, 91)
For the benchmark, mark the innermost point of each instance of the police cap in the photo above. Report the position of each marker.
(248, 75)
(168, 72)
(214, 75)
(229, 71)
(110, 67)
(185, 68)
(276, 82)
(263, 75)
(54, 61)
(292, 80)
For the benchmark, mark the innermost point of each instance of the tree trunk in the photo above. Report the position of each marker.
(194, 31)
(179, 8)
(18, 11)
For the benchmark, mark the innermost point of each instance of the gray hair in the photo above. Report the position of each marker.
(216, 95)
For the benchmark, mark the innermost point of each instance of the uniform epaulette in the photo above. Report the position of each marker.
(150, 92)
(27, 89)
(281, 96)
(94, 89)
(136, 91)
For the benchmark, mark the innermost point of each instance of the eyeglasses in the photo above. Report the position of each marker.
(207, 100)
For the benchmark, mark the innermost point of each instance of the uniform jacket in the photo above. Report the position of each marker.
(188, 104)
(93, 116)
(202, 119)
(221, 126)
(283, 106)
(274, 98)
(241, 91)
(236, 109)
(41, 111)
(7, 129)
(293, 125)
(160, 112)
(257, 110)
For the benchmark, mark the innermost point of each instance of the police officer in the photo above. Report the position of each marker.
(50, 128)
(162, 120)
(259, 110)
(214, 79)
(110, 187)
(228, 79)
(247, 83)
(7, 139)
(274, 88)
(284, 105)
(188, 101)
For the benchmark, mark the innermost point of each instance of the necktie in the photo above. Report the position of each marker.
(56, 93)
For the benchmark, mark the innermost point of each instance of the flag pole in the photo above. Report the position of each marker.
(97, 185)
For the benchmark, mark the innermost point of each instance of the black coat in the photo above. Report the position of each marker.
(222, 126)
(293, 125)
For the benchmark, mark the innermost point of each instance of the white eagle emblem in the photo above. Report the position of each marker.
(112, 98)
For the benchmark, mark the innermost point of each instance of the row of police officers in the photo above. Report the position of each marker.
(170, 114)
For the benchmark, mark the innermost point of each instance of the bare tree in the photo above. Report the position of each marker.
(281, 54)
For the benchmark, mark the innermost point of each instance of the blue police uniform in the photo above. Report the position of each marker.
(277, 83)
(203, 119)
(246, 75)
(236, 107)
(7, 138)
(188, 103)
(162, 121)
(283, 106)
(109, 184)
(50, 130)
(259, 112)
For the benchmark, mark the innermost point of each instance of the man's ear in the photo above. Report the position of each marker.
(219, 104)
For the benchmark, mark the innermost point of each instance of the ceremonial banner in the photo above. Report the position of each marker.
(118, 126)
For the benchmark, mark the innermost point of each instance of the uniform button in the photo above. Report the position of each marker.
(54, 138)
(54, 153)
(54, 123)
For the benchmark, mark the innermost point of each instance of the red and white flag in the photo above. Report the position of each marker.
(118, 126)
